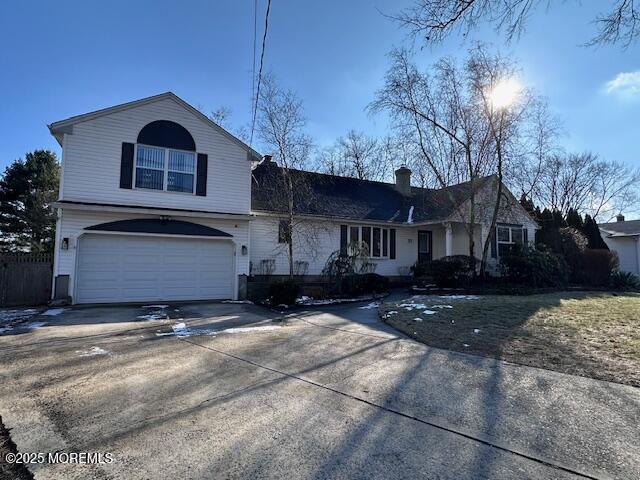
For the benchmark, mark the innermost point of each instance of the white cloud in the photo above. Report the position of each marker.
(625, 83)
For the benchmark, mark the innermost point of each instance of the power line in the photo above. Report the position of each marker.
(255, 35)
(264, 41)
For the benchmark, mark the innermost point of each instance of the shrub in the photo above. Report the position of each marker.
(596, 267)
(535, 268)
(452, 271)
(624, 281)
(284, 292)
(420, 269)
(360, 284)
(344, 263)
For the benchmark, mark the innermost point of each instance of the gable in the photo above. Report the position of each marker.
(59, 128)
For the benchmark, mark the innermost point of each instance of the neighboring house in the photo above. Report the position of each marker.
(158, 203)
(623, 237)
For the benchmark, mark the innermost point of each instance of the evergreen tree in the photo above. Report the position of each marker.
(592, 233)
(574, 219)
(27, 189)
(528, 205)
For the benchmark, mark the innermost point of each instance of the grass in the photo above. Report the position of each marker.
(592, 334)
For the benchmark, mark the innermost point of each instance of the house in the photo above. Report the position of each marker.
(157, 202)
(623, 237)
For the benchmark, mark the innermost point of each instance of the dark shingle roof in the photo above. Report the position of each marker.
(629, 227)
(350, 198)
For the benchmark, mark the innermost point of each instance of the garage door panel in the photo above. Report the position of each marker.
(121, 268)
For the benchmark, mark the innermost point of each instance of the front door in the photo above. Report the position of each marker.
(424, 246)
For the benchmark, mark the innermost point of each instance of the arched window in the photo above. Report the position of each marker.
(165, 158)
(163, 133)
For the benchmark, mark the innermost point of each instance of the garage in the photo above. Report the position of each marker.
(136, 267)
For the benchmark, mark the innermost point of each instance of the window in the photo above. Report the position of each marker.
(376, 238)
(284, 233)
(180, 171)
(508, 236)
(150, 167)
(165, 169)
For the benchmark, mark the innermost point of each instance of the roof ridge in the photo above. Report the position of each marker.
(388, 184)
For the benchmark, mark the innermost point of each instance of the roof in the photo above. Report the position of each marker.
(627, 228)
(153, 225)
(323, 195)
(62, 126)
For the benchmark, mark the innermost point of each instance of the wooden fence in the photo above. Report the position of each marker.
(25, 279)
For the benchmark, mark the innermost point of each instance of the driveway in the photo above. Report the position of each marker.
(329, 393)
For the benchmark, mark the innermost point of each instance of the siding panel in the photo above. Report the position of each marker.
(92, 162)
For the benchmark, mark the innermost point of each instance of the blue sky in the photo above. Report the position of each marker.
(66, 58)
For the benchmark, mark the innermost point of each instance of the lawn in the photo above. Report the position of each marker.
(587, 333)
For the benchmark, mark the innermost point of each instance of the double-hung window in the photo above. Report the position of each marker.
(507, 237)
(167, 169)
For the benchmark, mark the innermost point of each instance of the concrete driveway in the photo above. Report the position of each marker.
(329, 393)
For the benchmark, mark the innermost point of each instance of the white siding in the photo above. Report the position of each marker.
(72, 224)
(91, 162)
(264, 246)
(628, 250)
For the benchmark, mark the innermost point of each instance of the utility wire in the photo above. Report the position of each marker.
(255, 36)
(264, 41)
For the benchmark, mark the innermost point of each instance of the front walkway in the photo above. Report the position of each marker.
(332, 393)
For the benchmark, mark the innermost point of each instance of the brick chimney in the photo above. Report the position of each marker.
(620, 217)
(403, 180)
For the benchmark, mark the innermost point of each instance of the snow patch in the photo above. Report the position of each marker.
(476, 330)
(156, 306)
(181, 330)
(9, 315)
(308, 301)
(441, 306)
(52, 312)
(371, 306)
(247, 302)
(152, 316)
(32, 325)
(250, 329)
(413, 306)
(429, 312)
(410, 217)
(460, 297)
(92, 352)
(418, 319)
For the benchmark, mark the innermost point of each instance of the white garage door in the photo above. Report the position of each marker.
(124, 268)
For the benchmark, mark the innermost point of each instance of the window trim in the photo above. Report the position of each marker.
(165, 170)
(511, 241)
(369, 240)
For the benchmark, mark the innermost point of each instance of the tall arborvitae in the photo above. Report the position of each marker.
(592, 233)
(574, 219)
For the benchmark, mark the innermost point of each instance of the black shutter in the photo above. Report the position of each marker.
(201, 178)
(494, 247)
(525, 236)
(343, 239)
(126, 165)
(392, 243)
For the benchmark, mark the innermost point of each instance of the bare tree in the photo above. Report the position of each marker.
(504, 109)
(280, 124)
(221, 116)
(434, 20)
(586, 183)
(358, 155)
(460, 130)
